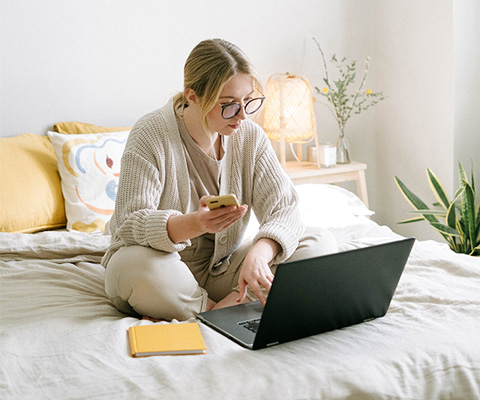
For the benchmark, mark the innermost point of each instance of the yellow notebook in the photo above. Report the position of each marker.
(166, 339)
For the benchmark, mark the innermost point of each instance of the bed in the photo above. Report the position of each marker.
(61, 338)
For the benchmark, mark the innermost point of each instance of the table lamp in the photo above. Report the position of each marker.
(289, 115)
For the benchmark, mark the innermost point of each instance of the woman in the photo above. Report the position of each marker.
(171, 256)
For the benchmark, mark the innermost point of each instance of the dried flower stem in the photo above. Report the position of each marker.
(337, 94)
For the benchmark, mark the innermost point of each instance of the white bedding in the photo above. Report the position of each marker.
(61, 338)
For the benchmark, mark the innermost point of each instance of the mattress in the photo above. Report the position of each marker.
(61, 337)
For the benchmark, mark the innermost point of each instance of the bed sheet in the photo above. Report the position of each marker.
(61, 338)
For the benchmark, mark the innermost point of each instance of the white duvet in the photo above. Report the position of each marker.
(61, 338)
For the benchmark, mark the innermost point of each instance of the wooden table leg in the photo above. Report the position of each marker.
(362, 187)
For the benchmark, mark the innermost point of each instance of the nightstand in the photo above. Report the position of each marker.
(310, 173)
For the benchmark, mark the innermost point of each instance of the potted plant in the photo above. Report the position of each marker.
(345, 100)
(461, 216)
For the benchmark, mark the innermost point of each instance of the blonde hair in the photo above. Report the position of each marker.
(208, 68)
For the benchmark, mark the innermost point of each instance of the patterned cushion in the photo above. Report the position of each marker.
(89, 166)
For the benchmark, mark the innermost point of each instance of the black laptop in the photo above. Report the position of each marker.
(317, 295)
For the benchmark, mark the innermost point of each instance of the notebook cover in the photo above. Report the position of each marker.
(166, 339)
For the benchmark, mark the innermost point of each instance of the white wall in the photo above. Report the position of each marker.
(428, 54)
(109, 62)
(466, 68)
(414, 127)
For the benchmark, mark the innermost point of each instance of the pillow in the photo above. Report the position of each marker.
(324, 205)
(89, 166)
(30, 196)
(74, 127)
(330, 205)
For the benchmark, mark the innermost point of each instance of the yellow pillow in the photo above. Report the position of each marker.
(74, 127)
(31, 194)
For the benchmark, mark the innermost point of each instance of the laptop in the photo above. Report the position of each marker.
(317, 295)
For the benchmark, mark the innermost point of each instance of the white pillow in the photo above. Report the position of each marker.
(330, 205)
(89, 166)
(326, 206)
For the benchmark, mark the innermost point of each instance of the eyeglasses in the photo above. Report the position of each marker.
(230, 110)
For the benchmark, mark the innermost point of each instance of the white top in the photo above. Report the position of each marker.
(204, 171)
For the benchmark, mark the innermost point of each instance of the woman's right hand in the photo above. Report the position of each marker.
(183, 227)
(219, 219)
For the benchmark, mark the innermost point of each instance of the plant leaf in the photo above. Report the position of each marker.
(463, 242)
(474, 250)
(468, 214)
(477, 226)
(407, 221)
(438, 213)
(418, 204)
(445, 229)
(471, 176)
(451, 218)
(462, 176)
(414, 200)
(438, 189)
(457, 193)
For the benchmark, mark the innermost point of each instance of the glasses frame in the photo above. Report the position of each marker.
(240, 106)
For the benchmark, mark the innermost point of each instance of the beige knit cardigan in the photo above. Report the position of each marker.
(154, 184)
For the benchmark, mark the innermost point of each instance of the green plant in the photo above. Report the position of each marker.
(461, 228)
(338, 93)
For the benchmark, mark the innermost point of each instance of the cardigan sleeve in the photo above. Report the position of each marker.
(136, 219)
(275, 203)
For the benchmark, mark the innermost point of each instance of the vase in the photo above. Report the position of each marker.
(342, 149)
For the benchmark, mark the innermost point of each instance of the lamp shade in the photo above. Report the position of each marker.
(289, 115)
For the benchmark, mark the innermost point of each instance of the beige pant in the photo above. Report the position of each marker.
(144, 281)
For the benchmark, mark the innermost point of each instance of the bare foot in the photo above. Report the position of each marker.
(210, 304)
(152, 319)
(230, 300)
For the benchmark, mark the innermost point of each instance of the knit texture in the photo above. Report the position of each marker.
(154, 185)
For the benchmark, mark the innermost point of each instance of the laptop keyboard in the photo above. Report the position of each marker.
(251, 325)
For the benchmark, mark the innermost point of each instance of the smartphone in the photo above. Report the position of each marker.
(222, 201)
